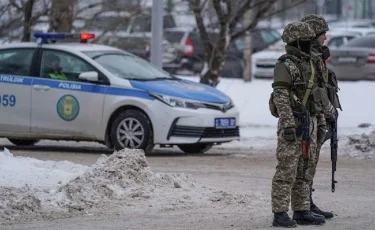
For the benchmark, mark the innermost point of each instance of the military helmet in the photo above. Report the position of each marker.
(297, 30)
(316, 22)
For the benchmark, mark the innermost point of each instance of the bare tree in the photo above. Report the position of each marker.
(61, 18)
(229, 15)
(27, 16)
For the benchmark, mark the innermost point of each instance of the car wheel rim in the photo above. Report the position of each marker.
(130, 133)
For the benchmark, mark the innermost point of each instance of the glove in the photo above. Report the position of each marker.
(321, 135)
(289, 134)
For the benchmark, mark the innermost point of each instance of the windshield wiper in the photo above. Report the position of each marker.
(164, 78)
(137, 79)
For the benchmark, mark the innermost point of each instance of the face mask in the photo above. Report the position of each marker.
(325, 53)
(305, 46)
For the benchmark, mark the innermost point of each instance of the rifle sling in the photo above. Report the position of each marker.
(309, 86)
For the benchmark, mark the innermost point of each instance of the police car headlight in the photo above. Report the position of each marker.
(177, 102)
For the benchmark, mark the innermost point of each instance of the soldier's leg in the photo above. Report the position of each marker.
(301, 187)
(287, 158)
(320, 136)
(312, 170)
(301, 190)
(287, 154)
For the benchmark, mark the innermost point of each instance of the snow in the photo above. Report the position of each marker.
(258, 126)
(123, 178)
(18, 171)
(32, 188)
(251, 98)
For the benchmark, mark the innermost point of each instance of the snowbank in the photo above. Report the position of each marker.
(122, 179)
(39, 173)
(362, 146)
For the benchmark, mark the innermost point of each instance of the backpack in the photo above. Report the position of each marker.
(271, 103)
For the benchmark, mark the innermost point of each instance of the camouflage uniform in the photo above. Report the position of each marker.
(289, 184)
(320, 26)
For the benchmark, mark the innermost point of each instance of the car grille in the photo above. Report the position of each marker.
(203, 132)
(221, 107)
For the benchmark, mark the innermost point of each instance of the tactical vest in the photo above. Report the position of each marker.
(314, 95)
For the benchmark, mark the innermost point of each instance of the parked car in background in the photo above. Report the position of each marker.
(354, 60)
(264, 61)
(352, 24)
(339, 37)
(137, 36)
(184, 50)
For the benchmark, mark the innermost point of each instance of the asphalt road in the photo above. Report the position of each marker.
(234, 170)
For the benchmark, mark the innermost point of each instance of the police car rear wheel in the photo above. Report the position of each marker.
(23, 142)
(132, 129)
(195, 148)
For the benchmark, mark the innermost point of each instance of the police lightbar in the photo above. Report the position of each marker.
(64, 36)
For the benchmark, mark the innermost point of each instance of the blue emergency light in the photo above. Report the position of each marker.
(64, 36)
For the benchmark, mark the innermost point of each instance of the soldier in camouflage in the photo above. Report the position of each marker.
(320, 27)
(294, 73)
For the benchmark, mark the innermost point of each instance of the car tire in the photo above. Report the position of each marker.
(138, 136)
(23, 142)
(195, 148)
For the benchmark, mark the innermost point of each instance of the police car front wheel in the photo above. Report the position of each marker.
(132, 129)
(23, 142)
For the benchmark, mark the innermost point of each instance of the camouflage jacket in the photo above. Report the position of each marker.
(326, 83)
(286, 75)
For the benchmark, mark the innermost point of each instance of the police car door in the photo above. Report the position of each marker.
(68, 107)
(15, 90)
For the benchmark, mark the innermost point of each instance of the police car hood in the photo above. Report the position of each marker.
(183, 89)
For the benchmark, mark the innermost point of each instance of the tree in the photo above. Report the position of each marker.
(27, 15)
(229, 14)
(61, 18)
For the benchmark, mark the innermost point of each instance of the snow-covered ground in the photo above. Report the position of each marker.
(53, 189)
(258, 126)
(258, 130)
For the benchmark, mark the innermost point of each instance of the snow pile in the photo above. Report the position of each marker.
(121, 175)
(121, 180)
(362, 146)
(43, 174)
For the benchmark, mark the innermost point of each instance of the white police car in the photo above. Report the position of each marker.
(90, 92)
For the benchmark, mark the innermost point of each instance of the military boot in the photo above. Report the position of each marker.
(306, 218)
(282, 219)
(316, 211)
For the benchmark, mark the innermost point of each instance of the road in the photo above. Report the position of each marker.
(235, 171)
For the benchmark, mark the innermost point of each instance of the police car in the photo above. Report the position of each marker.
(60, 90)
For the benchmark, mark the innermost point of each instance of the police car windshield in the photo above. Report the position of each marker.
(128, 66)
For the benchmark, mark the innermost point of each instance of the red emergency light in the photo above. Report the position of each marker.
(86, 36)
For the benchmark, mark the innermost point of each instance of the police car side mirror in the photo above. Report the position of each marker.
(91, 76)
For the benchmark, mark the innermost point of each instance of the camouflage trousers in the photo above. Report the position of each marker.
(288, 184)
(313, 163)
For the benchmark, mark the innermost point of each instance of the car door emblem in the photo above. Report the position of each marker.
(68, 107)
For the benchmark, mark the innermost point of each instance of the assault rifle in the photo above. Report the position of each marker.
(334, 141)
(305, 137)
(332, 134)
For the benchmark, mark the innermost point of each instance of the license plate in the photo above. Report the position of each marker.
(225, 122)
(347, 59)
